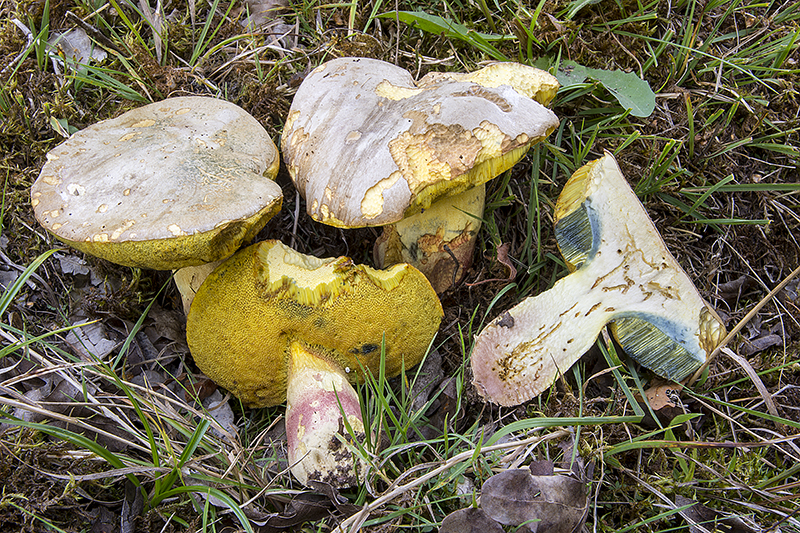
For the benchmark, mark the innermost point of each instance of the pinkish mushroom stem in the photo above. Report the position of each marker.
(322, 414)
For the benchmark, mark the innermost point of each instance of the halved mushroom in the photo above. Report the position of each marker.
(180, 182)
(623, 274)
(367, 146)
(271, 324)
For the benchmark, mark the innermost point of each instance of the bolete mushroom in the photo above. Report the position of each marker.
(271, 324)
(181, 182)
(622, 275)
(367, 146)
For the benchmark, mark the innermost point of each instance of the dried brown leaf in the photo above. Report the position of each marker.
(555, 504)
(470, 520)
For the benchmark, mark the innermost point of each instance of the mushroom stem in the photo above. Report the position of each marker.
(188, 280)
(438, 241)
(322, 414)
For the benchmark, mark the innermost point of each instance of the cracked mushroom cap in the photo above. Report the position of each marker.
(623, 275)
(366, 145)
(250, 309)
(176, 183)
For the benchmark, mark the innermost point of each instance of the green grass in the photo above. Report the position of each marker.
(715, 163)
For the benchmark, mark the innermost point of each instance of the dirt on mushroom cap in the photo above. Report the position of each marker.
(246, 313)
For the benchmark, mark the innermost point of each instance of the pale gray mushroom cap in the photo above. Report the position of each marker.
(366, 145)
(176, 183)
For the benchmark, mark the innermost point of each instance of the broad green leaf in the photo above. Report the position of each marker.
(570, 73)
(630, 90)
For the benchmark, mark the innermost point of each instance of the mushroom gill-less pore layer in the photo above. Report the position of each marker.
(366, 145)
(249, 310)
(176, 183)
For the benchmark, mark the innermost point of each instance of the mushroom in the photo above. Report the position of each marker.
(177, 183)
(271, 324)
(621, 274)
(367, 146)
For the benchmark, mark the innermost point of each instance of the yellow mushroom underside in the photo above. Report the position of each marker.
(246, 314)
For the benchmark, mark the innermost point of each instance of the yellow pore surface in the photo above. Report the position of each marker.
(182, 250)
(249, 310)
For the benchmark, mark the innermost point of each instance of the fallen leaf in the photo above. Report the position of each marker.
(76, 48)
(104, 520)
(72, 264)
(470, 520)
(712, 520)
(132, 507)
(663, 394)
(552, 504)
(219, 407)
(759, 344)
(426, 380)
(91, 341)
(502, 258)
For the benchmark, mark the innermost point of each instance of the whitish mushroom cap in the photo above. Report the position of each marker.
(176, 183)
(254, 305)
(624, 273)
(366, 145)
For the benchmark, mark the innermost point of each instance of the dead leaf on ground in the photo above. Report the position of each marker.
(502, 258)
(759, 344)
(305, 507)
(663, 394)
(550, 503)
(74, 50)
(712, 520)
(91, 342)
(470, 520)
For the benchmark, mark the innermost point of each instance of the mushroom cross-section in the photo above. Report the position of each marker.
(623, 275)
(271, 324)
(366, 145)
(176, 183)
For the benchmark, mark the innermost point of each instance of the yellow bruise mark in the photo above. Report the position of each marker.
(491, 141)
(34, 202)
(182, 111)
(146, 123)
(387, 89)
(372, 203)
(352, 137)
(51, 180)
(99, 237)
(417, 161)
(126, 225)
(290, 120)
(128, 136)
